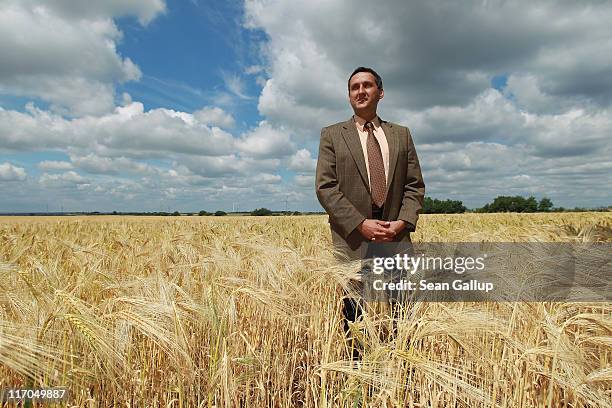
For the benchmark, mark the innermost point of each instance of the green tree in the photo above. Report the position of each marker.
(531, 205)
(203, 213)
(435, 206)
(261, 211)
(511, 204)
(545, 204)
(220, 213)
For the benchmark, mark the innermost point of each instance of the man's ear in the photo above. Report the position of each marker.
(382, 94)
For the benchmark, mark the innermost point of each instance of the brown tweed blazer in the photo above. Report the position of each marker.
(343, 188)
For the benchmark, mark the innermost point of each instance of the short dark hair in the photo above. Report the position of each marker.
(371, 71)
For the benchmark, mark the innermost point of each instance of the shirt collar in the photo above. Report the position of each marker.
(359, 121)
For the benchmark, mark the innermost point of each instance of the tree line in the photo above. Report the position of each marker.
(499, 204)
(517, 204)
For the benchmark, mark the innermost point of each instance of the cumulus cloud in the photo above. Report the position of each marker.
(104, 165)
(9, 172)
(228, 165)
(69, 178)
(267, 178)
(422, 65)
(66, 53)
(265, 141)
(528, 94)
(132, 130)
(128, 131)
(476, 172)
(214, 116)
(144, 10)
(304, 180)
(492, 117)
(488, 116)
(302, 162)
(51, 165)
(191, 158)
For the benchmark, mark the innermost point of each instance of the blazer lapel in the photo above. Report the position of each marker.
(351, 137)
(393, 142)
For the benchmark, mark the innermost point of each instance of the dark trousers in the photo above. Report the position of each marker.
(353, 308)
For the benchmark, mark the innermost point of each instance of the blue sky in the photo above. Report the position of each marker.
(188, 54)
(148, 105)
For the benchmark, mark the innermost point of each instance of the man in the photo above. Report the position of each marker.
(368, 176)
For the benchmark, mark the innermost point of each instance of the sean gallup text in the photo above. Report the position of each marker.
(424, 285)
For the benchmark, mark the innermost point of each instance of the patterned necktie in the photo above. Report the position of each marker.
(378, 182)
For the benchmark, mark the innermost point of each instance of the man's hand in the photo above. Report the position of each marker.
(380, 231)
(397, 226)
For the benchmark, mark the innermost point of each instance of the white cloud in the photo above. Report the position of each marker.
(131, 130)
(214, 116)
(228, 166)
(144, 10)
(488, 116)
(529, 96)
(9, 172)
(104, 165)
(573, 133)
(213, 166)
(34, 129)
(269, 178)
(128, 131)
(477, 172)
(302, 162)
(69, 178)
(492, 117)
(235, 84)
(50, 165)
(266, 141)
(66, 53)
(253, 69)
(280, 107)
(309, 52)
(304, 180)
(200, 163)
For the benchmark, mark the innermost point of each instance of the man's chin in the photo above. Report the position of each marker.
(363, 111)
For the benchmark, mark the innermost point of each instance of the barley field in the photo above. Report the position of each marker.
(247, 312)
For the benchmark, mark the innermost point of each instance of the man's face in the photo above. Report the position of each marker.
(363, 93)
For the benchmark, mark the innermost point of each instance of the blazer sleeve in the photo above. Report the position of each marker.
(414, 187)
(342, 212)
